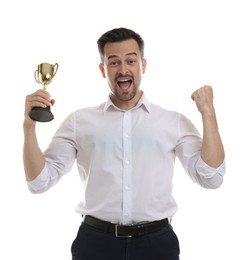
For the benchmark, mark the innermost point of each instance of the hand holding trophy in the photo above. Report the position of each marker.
(43, 75)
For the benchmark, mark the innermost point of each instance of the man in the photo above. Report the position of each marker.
(125, 150)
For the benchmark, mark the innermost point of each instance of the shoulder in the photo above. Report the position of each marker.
(161, 111)
(87, 110)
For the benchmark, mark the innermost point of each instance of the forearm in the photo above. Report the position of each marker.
(212, 151)
(33, 158)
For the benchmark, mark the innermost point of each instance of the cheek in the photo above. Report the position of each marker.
(110, 74)
(139, 72)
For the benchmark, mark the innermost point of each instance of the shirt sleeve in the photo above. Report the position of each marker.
(207, 171)
(188, 150)
(209, 177)
(40, 183)
(59, 157)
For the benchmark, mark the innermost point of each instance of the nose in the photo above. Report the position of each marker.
(123, 69)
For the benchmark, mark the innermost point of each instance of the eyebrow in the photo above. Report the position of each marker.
(128, 54)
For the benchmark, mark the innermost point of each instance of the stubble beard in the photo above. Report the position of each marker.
(125, 96)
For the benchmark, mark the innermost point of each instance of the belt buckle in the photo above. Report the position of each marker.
(118, 235)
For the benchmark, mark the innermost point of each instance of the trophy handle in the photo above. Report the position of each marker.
(56, 67)
(36, 76)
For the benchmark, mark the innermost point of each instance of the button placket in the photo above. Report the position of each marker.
(127, 168)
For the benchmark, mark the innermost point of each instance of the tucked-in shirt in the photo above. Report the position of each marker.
(126, 160)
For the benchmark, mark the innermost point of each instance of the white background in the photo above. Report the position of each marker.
(188, 44)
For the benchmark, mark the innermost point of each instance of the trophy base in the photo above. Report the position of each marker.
(41, 114)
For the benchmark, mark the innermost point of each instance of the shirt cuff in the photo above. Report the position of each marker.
(39, 183)
(207, 171)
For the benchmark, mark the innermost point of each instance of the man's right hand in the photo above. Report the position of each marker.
(40, 98)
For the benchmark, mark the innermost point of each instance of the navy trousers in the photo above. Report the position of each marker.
(92, 244)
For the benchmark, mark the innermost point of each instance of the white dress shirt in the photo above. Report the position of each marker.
(126, 160)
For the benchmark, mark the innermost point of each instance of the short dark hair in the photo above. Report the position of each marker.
(118, 35)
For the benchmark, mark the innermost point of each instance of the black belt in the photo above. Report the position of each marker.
(126, 231)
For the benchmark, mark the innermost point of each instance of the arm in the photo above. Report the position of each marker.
(212, 151)
(33, 158)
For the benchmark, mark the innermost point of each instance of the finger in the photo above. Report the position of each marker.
(209, 90)
(37, 101)
(52, 102)
(39, 98)
(42, 93)
(195, 95)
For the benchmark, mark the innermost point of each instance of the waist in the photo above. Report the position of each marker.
(125, 231)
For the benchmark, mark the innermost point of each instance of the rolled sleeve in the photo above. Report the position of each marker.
(207, 171)
(40, 183)
(210, 177)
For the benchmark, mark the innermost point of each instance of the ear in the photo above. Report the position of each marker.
(144, 64)
(102, 69)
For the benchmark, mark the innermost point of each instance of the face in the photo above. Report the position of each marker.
(123, 68)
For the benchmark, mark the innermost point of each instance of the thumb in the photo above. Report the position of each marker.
(52, 102)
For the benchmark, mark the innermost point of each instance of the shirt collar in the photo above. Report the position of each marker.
(143, 102)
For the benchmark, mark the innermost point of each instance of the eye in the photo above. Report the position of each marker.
(114, 63)
(131, 61)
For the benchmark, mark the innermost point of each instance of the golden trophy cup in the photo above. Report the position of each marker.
(43, 75)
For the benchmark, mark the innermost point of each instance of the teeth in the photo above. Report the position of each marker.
(123, 80)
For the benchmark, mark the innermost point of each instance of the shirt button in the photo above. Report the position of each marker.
(127, 187)
(127, 162)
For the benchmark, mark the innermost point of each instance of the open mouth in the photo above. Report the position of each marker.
(124, 84)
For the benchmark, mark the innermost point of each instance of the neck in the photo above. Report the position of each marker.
(126, 105)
